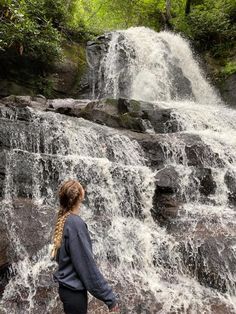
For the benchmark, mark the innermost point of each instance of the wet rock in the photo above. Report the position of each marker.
(20, 125)
(211, 260)
(218, 308)
(5, 251)
(4, 277)
(230, 181)
(129, 114)
(26, 212)
(167, 180)
(130, 297)
(197, 152)
(207, 185)
(166, 206)
(4, 243)
(181, 85)
(25, 101)
(96, 51)
(160, 120)
(165, 200)
(168, 195)
(192, 150)
(205, 258)
(228, 90)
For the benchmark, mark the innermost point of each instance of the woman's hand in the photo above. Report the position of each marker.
(115, 309)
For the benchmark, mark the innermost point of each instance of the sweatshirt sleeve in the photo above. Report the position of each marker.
(86, 268)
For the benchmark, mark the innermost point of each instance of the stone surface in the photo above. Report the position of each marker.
(230, 180)
(25, 101)
(66, 78)
(128, 114)
(4, 245)
(228, 90)
(210, 259)
(207, 185)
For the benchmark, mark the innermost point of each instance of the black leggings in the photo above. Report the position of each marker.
(74, 301)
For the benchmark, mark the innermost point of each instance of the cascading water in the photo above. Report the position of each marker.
(160, 69)
(156, 270)
(153, 67)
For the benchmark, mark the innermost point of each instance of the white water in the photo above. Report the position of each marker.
(120, 187)
(150, 58)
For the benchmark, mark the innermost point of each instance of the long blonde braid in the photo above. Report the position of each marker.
(57, 238)
(69, 194)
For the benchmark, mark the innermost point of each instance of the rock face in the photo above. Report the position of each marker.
(68, 78)
(34, 149)
(96, 52)
(230, 180)
(228, 90)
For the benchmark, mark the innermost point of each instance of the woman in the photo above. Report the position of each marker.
(77, 271)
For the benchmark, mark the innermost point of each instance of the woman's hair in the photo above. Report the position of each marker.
(70, 193)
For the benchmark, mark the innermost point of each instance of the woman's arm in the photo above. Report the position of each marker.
(86, 268)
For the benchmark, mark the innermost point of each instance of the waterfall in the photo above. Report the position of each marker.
(155, 268)
(154, 67)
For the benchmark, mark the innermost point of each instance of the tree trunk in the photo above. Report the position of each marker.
(168, 16)
(187, 7)
(168, 9)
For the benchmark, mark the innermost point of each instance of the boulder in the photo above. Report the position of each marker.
(128, 114)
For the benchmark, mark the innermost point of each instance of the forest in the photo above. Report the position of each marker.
(37, 29)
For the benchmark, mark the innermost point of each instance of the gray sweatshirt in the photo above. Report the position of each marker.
(77, 269)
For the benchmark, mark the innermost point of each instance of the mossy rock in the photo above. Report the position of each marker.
(21, 75)
(127, 121)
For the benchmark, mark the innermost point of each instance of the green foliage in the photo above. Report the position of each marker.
(229, 69)
(102, 15)
(36, 27)
(27, 27)
(210, 22)
(44, 86)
